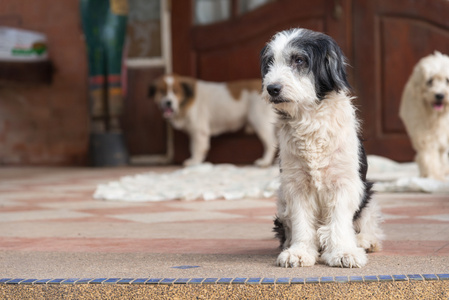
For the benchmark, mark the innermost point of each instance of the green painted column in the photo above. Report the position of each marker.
(104, 26)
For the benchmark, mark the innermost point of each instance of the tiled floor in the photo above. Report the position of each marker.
(51, 210)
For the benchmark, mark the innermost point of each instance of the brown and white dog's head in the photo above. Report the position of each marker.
(173, 94)
(432, 76)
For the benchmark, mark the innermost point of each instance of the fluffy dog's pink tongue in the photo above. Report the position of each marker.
(438, 106)
(168, 112)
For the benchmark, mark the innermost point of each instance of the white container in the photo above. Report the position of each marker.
(22, 45)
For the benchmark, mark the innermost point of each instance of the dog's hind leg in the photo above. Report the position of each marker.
(368, 232)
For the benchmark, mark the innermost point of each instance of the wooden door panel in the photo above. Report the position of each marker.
(143, 125)
(398, 34)
(230, 50)
(389, 39)
(240, 60)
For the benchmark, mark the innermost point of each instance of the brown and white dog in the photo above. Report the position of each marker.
(203, 109)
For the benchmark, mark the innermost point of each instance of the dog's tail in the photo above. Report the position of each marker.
(279, 231)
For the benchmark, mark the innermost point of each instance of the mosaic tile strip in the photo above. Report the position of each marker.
(297, 280)
(236, 280)
(400, 278)
(443, 276)
(225, 280)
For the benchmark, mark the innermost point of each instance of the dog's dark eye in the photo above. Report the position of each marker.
(298, 60)
(429, 82)
(447, 80)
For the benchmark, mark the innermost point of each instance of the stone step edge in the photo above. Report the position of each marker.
(229, 280)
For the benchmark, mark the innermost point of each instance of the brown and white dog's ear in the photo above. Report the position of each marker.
(188, 88)
(152, 91)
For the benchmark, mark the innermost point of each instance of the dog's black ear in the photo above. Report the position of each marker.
(336, 68)
(188, 89)
(151, 91)
(330, 73)
(265, 60)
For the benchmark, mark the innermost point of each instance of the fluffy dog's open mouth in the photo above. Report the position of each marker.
(277, 100)
(438, 105)
(167, 112)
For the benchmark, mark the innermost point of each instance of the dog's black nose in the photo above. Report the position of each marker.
(168, 104)
(274, 89)
(439, 97)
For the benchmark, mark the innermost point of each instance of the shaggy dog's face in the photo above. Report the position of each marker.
(172, 95)
(299, 68)
(431, 76)
(436, 92)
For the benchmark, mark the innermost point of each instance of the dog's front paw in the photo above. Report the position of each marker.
(191, 162)
(353, 258)
(295, 258)
(263, 163)
(369, 242)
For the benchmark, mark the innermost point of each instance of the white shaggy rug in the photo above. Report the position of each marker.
(224, 181)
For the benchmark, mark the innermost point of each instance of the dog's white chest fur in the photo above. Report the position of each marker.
(320, 144)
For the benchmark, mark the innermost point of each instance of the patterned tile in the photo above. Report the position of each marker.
(167, 281)
(283, 280)
(28, 281)
(84, 280)
(42, 281)
(312, 280)
(355, 278)
(3, 280)
(126, 280)
(196, 280)
(268, 280)
(400, 278)
(430, 276)
(341, 279)
(111, 280)
(225, 280)
(239, 280)
(297, 280)
(443, 276)
(98, 280)
(253, 280)
(181, 281)
(370, 278)
(326, 279)
(15, 281)
(385, 278)
(56, 281)
(415, 277)
(70, 280)
(153, 281)
(139, 281)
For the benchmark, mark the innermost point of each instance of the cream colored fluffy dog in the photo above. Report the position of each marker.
(425, 112)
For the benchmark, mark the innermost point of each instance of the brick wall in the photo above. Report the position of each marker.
(47, 124)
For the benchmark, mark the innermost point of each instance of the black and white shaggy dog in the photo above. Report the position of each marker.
(324, 205)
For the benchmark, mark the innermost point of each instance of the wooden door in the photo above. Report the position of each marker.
(389, 39)
(229, 50)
